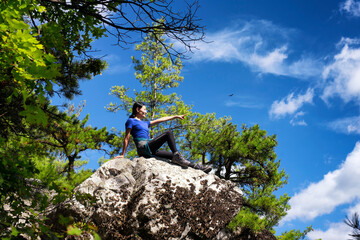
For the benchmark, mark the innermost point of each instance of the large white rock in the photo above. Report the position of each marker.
(153, 199)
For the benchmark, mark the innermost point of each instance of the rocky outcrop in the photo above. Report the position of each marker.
(153, 199)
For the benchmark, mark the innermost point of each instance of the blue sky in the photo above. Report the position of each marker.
(293, 67)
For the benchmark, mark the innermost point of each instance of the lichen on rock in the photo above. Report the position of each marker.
(153, 199)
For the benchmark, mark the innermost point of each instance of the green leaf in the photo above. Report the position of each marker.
(97, 237)
(41, 8)
(72, 230)
(34, 114)
(14, 231)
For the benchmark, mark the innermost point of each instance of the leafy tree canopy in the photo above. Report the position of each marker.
(46, 50)
(46, 44)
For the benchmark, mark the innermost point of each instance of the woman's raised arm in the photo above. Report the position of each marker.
(165, 119)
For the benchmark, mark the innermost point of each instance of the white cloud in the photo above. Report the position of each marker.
(335, 231)
(351, 7)
(260, 45)
(291, 104)
(346, 125)
(354, 209)
(336, 188)
(342, 76)
(270, 62)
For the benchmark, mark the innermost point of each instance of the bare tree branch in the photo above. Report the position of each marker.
(122, 18)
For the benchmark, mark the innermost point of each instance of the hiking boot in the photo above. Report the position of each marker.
(180, 160)
(203, 168)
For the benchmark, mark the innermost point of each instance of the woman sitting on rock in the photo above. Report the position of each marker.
(147, 147)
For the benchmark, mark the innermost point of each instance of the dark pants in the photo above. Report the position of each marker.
(157, 142)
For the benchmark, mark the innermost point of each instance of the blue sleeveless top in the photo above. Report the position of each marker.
(139, 129)
(140, 134)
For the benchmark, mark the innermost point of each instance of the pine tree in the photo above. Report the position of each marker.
(69, 137)
(354, 223)
(157, 75)
(247, 158)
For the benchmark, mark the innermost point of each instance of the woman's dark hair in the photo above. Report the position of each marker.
(135, 107)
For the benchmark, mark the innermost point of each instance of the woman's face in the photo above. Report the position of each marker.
(142, 112)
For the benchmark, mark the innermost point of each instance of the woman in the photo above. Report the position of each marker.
(147, 147)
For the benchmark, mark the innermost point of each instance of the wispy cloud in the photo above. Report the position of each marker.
(243, 102)
(350, 125)
(295, 121)
(351, 7)
(342, 76)
(291, 104)
(336, 188)
(259, 44)
(253, 105)
(115, 65)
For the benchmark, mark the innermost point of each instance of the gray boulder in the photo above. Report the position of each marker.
(153, 199)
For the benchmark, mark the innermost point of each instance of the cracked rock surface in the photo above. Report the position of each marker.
(153, 199)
